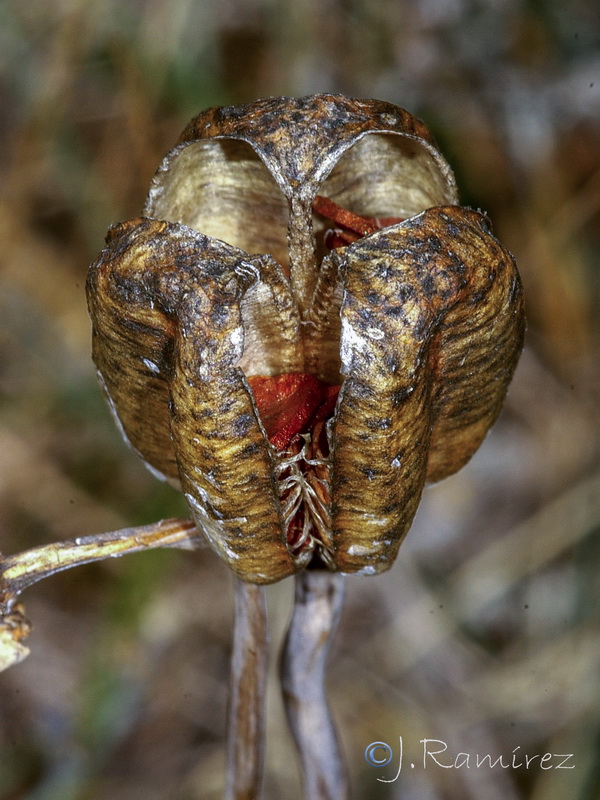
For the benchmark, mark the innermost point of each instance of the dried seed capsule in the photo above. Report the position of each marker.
(224, 329)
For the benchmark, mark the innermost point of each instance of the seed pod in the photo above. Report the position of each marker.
(300, 385)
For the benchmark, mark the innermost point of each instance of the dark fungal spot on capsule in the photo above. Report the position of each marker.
(477, 297)
(225, 112)
(394, 312)
(140, 330)
(249, 450)
(391, 361)
(382, 271)
(379, 423)
(180, 259)
(447, 293)
(428, 285)
(421, 327)
(400, 395)
(126, 289)
(216, 433)
(365, 314)
(200, 413)
(360, 389)
(406, 292)
(434, 244)
(381, 243)
(451, 225)
(242, 424)
(267, 146)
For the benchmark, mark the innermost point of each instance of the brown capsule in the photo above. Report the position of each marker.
(301, 397)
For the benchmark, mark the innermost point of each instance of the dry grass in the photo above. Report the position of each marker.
(486, 634)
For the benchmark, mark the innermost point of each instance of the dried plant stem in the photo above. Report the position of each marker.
(317, 609)
(245, 733)
(19, 571)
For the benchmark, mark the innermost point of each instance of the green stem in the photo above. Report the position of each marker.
(24, 569)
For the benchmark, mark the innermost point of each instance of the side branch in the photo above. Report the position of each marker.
(20, 571)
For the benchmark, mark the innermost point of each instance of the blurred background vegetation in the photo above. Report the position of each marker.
(486, 634)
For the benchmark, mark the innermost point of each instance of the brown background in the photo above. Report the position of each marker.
(486, 634)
